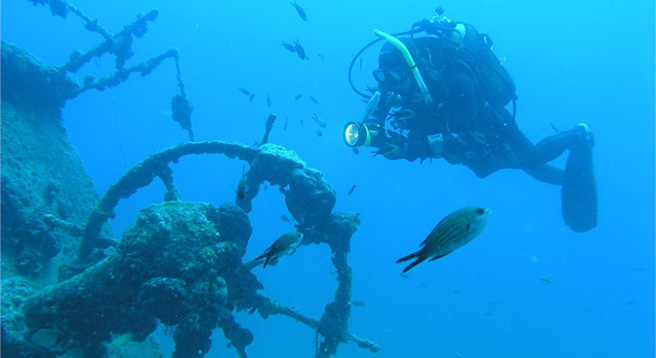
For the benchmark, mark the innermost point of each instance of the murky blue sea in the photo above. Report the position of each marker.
(528, 286)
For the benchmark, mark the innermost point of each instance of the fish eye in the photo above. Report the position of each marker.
(480, 211)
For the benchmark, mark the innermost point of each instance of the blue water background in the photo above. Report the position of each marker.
(583, 61)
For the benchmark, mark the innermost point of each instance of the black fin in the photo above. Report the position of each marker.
(579, 191)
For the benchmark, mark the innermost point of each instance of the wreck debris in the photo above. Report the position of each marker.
(143, 174)
(119, 45)
(157, 273)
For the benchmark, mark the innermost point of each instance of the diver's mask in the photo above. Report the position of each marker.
(361, 134)
(389, 76)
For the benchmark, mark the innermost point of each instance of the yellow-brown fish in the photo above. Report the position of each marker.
(454, 231)
(286, 244)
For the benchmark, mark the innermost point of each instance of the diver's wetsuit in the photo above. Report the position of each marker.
(477, 133)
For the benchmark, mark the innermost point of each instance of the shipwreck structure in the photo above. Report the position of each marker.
(66, 278)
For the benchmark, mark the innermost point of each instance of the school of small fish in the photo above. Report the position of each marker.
(297, 48)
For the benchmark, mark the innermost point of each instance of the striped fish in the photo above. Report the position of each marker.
(454, 231)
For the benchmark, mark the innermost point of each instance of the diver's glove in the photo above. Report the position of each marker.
(395, 149)
(436, 145)
(391, 151)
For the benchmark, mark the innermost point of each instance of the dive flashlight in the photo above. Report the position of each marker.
(360, 134)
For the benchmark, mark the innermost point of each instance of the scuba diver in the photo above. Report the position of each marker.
(445, 95)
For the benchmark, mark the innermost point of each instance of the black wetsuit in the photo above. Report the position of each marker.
(476, 131)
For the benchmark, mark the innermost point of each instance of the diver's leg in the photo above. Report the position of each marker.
(525, 154)
(553, 146)
(546, 173)
(547, 149)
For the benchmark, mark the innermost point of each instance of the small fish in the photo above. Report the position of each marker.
(241, 187)
(244, 91)
(358, 303)
(302, 121)
(356, 151)
(300, 51)
(285, 127)
(251, 97)
(268, 100)
(286, 244)
(298, 96)
(403, 114)
(321, 57)
(300, 11)
(49, 338)
(289, 47)
(320, 122)
(319, 132)
(545, 281)
(405, 275)
(314, 100)
(351, 190)
(454, 231)
(286, 219)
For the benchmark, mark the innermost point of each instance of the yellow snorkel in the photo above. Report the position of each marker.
(410, 61)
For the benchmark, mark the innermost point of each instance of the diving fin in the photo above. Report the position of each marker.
(579, 190)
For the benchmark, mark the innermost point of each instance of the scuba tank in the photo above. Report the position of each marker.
(474, 49)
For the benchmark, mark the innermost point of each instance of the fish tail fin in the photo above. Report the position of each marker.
(266, 262)
(264, 254)
(406, 258)
(415, 263)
